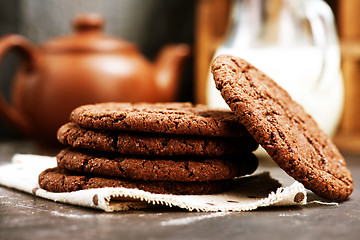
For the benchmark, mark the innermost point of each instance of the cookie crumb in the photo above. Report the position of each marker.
(96, 200)
(299, 197)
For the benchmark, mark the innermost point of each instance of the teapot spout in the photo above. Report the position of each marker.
(168, 66)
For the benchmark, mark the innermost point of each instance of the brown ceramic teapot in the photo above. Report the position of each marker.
(82, 68)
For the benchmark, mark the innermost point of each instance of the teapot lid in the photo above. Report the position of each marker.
(88, 36)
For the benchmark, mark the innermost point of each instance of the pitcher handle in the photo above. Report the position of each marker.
(27, 52)
(322, 24)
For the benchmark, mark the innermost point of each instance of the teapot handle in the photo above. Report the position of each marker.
(27, 52)
(322, 24)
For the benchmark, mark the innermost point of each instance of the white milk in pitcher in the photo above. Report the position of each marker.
(301, 72)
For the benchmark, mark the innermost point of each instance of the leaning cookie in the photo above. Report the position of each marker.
(136, 143)
(282, 127)
(170, 118)
(155, 168)
(61, 180)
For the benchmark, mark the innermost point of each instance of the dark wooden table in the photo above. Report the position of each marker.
(23, 216)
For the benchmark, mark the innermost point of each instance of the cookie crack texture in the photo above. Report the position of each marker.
(59, 180)
(174, 118)
(113, 139)
(84, 164)
(182, 169)
(144, 143)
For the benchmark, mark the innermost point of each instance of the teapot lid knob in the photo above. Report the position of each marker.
(88, 37)
(88, 22)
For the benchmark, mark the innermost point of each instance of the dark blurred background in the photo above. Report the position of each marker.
(150, 24)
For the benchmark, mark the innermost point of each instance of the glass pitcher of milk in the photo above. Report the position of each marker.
(295, 43)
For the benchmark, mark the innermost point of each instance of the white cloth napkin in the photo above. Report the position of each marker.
(247, 193)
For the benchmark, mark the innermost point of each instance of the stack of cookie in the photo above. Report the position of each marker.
(168, 148)
(186, 149)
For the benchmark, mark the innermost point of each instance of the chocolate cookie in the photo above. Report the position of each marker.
(174, 118)
(282, 127)
(60, 180)
(157, 169)
(136, 143)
